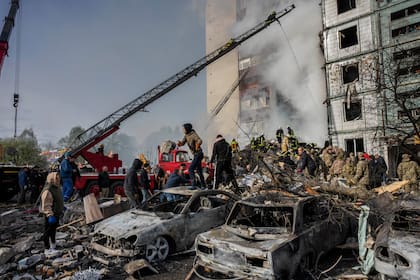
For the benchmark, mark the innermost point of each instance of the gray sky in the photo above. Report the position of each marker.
(83, 59)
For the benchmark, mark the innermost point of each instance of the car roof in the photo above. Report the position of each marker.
(270, 199)
(183, 190)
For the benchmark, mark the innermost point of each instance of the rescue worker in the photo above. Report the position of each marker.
(145, 182)
(253, 144)
(66, 174)
(336, 169)
(174, 180)
(104, 182)
(222, 156)
(361, 178)
(381, 168)
(285, 144)
(279, 135)
(101, 149)
(261, 143)
(409, 170)
(52, 206)
(23, 184)
(292, 140)
(305, 162)
(349, 170)
(234, 146)
(131, 183)
(194, 143)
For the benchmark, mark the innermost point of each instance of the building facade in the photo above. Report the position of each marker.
(362, 39)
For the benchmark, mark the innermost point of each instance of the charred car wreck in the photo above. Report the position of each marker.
(270, 237)
(397, 247)
(163, 226)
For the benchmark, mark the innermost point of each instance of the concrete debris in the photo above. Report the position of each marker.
(87, 274)
(138, 265)
(25, 276)
(6, 254)
(29, 262)
(7, 217)
(24, 244)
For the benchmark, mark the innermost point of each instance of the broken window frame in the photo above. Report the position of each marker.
(347, 108)
(343, 71)
(342, 36)
(405, 12)
(406, 30)
(356, 143)
(342, 7)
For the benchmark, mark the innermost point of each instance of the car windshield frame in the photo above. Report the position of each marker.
(263, 230)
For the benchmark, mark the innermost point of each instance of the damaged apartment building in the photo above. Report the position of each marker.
(239, 73)
(364, 41)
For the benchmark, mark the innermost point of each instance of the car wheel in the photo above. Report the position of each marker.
(117, 188)
(158, 250)
(93, 187)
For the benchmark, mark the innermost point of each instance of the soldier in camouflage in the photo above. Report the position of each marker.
(409, 170)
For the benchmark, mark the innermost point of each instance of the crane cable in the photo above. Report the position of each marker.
(18, 39)
(295, 59)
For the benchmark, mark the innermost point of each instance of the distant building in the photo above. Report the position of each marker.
(361, 38)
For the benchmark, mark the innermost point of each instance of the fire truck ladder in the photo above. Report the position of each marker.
(219, 106)
(9, 22)
(111, 123)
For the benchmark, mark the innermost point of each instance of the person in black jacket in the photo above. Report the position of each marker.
(222, 156)
(104, 182)
(131, 183)
(145, 182)
(305, 161)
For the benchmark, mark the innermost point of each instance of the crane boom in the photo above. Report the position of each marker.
(111, 123)
(9, 22)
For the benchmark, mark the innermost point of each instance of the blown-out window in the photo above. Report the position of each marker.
(352, 110)
(345, 5)
(348, 37)
(350, 73)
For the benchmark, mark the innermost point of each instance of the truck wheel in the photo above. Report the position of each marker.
(117, 188)
(93, 187)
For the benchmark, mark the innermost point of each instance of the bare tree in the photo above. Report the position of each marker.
(396, 75)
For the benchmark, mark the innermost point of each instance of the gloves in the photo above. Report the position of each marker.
(52, 220)
(197, 147)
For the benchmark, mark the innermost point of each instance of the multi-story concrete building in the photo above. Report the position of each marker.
(361, 39)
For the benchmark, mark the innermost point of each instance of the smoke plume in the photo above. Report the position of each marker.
(293, 66)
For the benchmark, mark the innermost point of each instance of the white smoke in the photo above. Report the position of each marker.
(295, 70)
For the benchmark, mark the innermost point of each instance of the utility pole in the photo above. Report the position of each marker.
(15, 104)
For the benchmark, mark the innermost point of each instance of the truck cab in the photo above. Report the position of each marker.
(173, 160)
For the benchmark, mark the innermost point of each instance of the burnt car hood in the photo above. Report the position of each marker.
(223, 235)
(123, 224)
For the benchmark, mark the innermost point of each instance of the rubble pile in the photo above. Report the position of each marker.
(22, 254)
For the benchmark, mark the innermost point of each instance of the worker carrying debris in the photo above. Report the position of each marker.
(194, 143)
(131, 183)
(222, 156)
(52, 206)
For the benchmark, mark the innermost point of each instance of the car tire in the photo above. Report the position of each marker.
(157, 250)
(93, 187)
(117, 188)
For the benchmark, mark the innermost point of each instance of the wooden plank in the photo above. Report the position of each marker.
(391, 187)
(92, 211)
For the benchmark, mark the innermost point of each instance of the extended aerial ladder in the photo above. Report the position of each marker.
(9, 22)
(111, 123)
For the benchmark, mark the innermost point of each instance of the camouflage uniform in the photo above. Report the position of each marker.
(337, 167)
(349, 169)
(409, 170)
(362, 172)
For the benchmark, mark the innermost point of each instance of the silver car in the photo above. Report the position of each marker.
(397, 246)
(163, 226)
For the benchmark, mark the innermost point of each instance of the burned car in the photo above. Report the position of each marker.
(397, 246)
(269, 238)
(162, 227)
